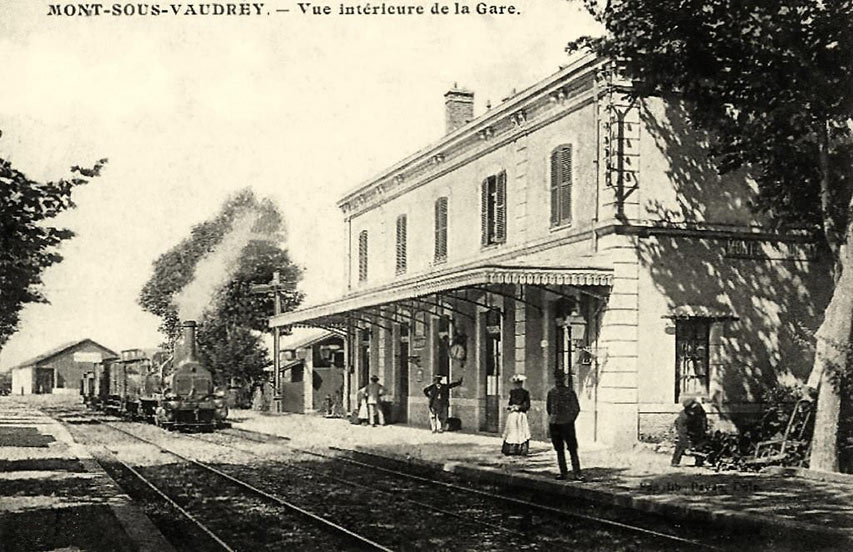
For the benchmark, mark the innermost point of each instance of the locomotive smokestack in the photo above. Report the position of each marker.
(185, 349)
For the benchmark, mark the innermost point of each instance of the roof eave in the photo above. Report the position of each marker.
(510, 105)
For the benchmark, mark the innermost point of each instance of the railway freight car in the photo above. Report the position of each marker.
(168, 391)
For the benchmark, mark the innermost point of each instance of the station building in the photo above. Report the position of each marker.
(59, 370)
(570, 228)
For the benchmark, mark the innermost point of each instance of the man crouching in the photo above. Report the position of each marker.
(691, 425)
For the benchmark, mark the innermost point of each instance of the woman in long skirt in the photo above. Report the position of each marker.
(517, 430)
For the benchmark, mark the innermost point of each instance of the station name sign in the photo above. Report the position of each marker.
(767, 251)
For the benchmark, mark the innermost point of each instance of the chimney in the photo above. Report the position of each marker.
(458, 108)
(185, 349)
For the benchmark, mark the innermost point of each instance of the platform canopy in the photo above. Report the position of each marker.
(361, 303)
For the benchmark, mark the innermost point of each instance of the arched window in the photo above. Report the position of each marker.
(362, 256)
(561, 186)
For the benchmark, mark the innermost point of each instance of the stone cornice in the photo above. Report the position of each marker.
(558, 93)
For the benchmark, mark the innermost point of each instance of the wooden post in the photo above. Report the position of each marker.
(275, 286)
(276, 345)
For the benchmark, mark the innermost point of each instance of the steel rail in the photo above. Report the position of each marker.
(518, 501)
(278, 500)
(244, 434)
(462, 517)
(171, 502)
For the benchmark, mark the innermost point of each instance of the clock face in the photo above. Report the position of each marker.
(457, 351)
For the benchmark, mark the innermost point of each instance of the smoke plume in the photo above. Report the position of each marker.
(214, 271)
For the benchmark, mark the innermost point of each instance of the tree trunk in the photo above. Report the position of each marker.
(833, 336)
(833, 341)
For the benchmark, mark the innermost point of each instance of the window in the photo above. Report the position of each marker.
(441, 229)
(561, 186)
(493, 209)
(691, 357)
(297, 373)
(401, 244)
(362, 256)
(565, 310)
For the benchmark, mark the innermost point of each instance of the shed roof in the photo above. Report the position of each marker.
(305, 337)
(56, 351)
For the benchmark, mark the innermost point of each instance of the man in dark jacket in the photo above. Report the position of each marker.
(691, 425)
(563, 408)
(439, 400)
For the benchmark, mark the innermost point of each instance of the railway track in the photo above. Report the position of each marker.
(214, 524)
(426, 485)
(472, 518)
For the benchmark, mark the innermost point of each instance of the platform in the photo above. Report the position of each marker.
(55, 496)
(779, 502)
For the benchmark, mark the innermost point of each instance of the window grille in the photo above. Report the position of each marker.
(561, 186)
(691, 357)
(362, 256)
(401, 244)
(493, 209)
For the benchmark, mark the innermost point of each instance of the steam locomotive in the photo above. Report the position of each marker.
(171, 392)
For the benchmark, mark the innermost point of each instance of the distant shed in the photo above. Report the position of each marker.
(59, 370)
(312, 366)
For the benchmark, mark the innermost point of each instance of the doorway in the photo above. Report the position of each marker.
(402, 383)
(44, 380)
(493, 375)
(363, 358)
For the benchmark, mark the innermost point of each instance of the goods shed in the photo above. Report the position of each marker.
(59, 370)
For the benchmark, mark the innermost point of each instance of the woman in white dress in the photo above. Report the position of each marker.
(517, 430)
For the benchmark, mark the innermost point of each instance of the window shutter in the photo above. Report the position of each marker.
(555, 187)
(500, 208)
(566, 184)
(484, 212)
(561, 186)
(362, 256)
(401, 244)
(441, 228)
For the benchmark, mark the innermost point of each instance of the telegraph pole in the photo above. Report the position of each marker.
(275, 287)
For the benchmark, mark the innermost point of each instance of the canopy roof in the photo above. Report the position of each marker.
(461, 279)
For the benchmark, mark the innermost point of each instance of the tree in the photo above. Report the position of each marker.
(28, 244)
(771, 82)
(229, 333)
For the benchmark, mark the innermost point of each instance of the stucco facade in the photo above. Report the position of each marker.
(571, 228)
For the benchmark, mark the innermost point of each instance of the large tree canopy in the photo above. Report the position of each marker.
(28, 243)
(771, 82)
(229, 339)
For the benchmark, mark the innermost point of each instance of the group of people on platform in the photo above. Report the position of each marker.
(562, 407)
(370, 402)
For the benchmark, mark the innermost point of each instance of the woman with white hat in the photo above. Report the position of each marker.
(517, 430)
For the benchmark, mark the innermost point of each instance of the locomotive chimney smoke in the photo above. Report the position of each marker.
(214, 271)
(185, 348)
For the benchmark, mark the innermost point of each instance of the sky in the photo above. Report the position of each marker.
(190, 109)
